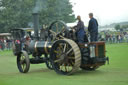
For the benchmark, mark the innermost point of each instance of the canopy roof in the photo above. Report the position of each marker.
(5, 34)
(24, 29)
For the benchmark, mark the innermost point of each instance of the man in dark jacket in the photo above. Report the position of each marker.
(93, 28)
(80, 30)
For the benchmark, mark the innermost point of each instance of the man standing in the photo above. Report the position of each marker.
(93, 28)
(80, 30)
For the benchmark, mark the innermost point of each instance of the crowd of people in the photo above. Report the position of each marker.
(121, 37)
(5, 44)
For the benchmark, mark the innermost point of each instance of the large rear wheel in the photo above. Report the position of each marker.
(65, 56)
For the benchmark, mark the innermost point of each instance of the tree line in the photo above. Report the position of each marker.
(119, 27)
(18, 13)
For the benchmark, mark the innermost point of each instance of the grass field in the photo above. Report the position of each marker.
(116, 73)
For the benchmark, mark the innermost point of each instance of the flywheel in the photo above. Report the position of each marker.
(65, 56)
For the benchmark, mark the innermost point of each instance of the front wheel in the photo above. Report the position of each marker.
(23, 62)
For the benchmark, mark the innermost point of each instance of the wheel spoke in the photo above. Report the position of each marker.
(63, 29)
(69, 51)
(56, 51)
(64, 48)
(54, 33)
(58, 60)
(57, 27)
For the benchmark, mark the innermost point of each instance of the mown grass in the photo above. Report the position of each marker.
(116, 73)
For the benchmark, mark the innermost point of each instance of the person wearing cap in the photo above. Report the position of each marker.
(93, 28)
(80, 30)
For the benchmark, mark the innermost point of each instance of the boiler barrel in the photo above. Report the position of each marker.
(42, 47)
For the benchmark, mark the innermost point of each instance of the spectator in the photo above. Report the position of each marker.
(126, 37)
(8, 41)
(114, 38)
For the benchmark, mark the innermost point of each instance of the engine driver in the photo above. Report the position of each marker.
(80, 30)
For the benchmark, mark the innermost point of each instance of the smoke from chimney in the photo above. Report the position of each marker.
(40, 5)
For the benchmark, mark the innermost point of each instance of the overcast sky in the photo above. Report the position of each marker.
(106, 11)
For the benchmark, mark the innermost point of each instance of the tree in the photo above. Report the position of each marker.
(18, 13)
(55, 10)
(117, 27)
(124, 27)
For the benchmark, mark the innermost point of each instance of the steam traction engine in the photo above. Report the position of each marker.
(57, 46)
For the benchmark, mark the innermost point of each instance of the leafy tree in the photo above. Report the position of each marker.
(124, 27)
(55, 10)
(117, 27)
(18, 13)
